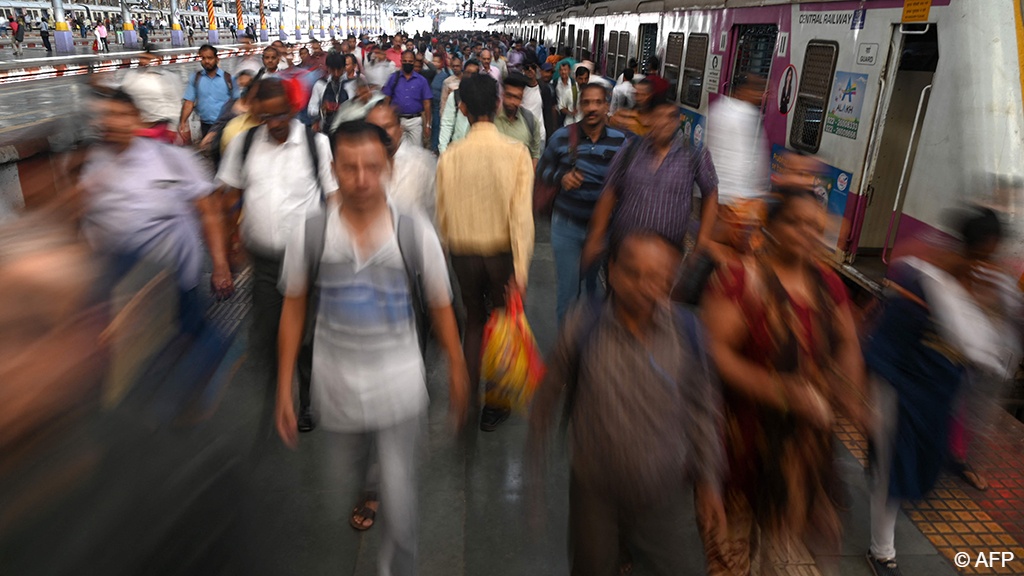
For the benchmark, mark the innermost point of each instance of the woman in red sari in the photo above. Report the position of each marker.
(784, 340)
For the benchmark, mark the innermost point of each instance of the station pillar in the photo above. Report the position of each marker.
(212, 34)
(177, 34)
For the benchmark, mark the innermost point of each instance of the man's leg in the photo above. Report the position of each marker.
(469, 270)
(593, 532)
(266, 315)
(412, 131)
(659, 533)
(46, 42)
(397, 450)
(567, 238)
(498, 270)
(305, 370)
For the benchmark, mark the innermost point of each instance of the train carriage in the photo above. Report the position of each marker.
(914, 106)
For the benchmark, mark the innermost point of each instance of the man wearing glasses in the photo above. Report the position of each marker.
(274, 168)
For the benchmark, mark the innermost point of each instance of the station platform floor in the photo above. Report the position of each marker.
(477, 519)
(219, 493)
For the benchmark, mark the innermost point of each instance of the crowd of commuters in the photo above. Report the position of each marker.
(381, 186)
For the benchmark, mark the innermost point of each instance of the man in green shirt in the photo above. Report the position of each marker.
(514, 121)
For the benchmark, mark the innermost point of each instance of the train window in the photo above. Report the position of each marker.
(613, 52)
(812, 96)
(561, 40)
(599, 47)
(674, 61)
(755, 48)
(571, 39)
(648, 46)
(623, 51)
(585, 48)
(579, 45)
(693, 70)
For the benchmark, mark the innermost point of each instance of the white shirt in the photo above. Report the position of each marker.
(157, 97)
(623, 96)
(279, 187)
(737, 145)
(413, 180)
(368, 372)
(316, 97)
(534, 102)
(564, 94)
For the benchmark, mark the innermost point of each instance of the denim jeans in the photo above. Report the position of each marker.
(567, 239)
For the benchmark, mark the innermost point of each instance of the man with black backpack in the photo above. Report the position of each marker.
(282, 171)
(367, 273)
(207, 92)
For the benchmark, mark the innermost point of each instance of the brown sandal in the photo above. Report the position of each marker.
(363, 511)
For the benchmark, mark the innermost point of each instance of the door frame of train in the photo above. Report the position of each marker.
(887, 86)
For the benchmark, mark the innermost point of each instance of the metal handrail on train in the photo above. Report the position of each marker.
(903, 174)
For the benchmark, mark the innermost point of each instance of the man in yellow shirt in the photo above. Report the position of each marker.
(485, 219)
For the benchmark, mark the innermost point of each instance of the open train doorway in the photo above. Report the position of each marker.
(909, 70)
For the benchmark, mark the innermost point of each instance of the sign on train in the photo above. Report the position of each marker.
(916, 10)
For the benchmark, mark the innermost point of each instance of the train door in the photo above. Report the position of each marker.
(909, 69)
(753, 47)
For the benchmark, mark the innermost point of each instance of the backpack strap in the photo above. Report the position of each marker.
(531, 122)
(314, 158)
(247, 140)
(230, 83)
(315, 237)
(195, 83)
(412, 258)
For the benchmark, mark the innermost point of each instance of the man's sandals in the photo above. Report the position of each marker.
(364, 513)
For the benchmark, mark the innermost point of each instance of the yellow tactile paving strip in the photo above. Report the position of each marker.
(956, 518)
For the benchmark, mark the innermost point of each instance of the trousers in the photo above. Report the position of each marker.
(267, 301)
(567, 239)
(598, 523)
(482, 282)
(412, 131)
(395, 449)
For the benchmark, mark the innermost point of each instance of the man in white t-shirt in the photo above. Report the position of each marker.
(370, 379)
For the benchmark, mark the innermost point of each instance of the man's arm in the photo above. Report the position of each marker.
(521, 213)
(289, 338)
(447, 331)
(594, 246)
(211, 215)
(316, 98)
(447, 124)
(187, 106)
(428, 121)
(708, 217)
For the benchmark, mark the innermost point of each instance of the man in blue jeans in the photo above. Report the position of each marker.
(579, 162)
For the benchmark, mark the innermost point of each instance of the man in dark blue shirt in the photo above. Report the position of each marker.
(579, 162)
(410, 94)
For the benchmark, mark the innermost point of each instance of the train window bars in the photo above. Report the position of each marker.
(599, 48)
(674, 62)
(613, 53)
(693, 69)
(812, 95)
(648, 47)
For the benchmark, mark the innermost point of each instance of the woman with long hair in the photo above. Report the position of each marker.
(783, 337)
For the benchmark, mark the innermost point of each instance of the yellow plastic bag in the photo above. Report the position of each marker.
(512, 365)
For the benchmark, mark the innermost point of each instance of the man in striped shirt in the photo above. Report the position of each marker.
(580, 163)
(650, 187)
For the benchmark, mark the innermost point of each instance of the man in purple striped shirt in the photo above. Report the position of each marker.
(650, 187)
